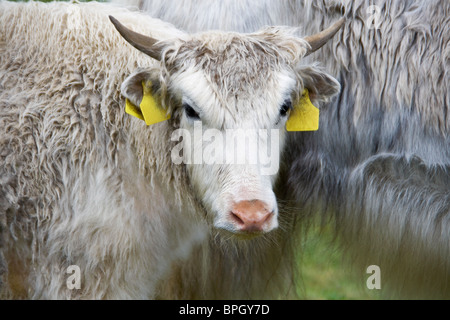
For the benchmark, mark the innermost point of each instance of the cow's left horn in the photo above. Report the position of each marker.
(142, 43)
(317, 40)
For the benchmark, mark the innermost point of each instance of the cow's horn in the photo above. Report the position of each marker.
(317, 40)
(142, 43)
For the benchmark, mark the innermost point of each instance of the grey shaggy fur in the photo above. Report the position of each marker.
(379, 167)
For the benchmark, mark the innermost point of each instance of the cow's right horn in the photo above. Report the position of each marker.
(142, 43)
(317, 40)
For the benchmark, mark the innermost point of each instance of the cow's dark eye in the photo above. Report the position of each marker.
(190, 112)
(287, 105)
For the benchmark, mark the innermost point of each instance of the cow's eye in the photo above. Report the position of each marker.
(287, 105)
(190, 112)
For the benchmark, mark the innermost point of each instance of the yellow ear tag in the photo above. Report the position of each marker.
(151, 111)
(305, 116)
(131, 109)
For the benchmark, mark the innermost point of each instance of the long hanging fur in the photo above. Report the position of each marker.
(381, 163)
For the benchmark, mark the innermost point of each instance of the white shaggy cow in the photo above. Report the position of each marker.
(380, 166)
(87, 190)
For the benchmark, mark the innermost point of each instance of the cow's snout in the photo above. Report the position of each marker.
(253, 216)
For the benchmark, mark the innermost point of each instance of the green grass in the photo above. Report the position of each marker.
(325, 275)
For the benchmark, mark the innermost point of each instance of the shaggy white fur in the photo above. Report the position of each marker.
(84, 184)
(72, 190)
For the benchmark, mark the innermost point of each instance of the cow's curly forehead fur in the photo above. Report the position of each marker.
(238, 62)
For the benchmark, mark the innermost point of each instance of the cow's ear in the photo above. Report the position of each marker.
(321, 86)
(143, 101)
(132, 86)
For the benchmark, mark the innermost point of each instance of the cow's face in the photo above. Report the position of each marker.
(233, 94)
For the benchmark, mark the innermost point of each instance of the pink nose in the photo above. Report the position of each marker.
(251, 216)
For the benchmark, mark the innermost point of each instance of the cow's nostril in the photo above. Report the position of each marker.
(268, 217)
(252, 216)
(236, 219)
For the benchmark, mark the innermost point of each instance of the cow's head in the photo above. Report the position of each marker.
(233, 94)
